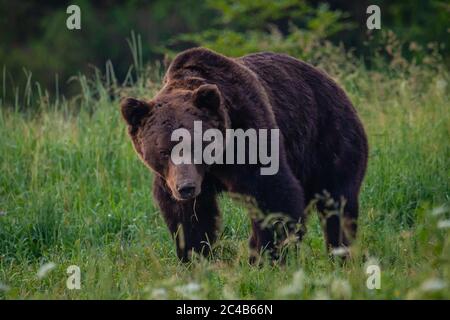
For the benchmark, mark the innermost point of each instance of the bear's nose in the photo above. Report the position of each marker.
(186, 190)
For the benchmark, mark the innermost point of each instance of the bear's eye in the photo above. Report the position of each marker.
(164, 154)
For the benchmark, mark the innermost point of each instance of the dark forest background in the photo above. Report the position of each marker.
(34, 37)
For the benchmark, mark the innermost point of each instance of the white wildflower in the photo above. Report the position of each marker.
(296, 287)
(433, 284)
(228, 293)
(321, 295)
(444, 224)
(341, 289)
(159, 294)
(45, 269)
(3, 287)
(189, 290)
(439, 210)
(371, 261)
(441, 84)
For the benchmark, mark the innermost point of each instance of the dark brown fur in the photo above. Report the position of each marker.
(323, 144)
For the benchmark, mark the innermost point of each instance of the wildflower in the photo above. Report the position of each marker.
(321, 295)
(3, 287)
(45, 269)
(159, 294)
(443, 224)
(439, 210)
(228, 293)
(189, 290)
(433, 284)
(341, 289)
(296, 287)
(371, 261)
(441, 84)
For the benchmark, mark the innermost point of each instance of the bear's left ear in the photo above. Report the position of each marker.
(207, 96)
(133, 111)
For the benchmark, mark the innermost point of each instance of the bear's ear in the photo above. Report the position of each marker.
(207, 96)
(133, 110)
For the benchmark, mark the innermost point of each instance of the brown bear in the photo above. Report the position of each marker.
(323, 148)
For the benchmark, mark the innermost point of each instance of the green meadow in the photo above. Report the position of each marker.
(73, 192)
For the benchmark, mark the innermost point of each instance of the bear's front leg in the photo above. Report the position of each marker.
(281, 215)
(192, 223)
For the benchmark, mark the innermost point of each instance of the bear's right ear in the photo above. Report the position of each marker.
(207, 96)
(133, 111)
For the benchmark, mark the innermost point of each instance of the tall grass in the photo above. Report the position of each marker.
(72, 191)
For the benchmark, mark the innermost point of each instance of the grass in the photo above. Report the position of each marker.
(73, 192)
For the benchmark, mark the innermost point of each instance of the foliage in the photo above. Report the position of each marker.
(33, 33)
(46, 48)
(287, 26)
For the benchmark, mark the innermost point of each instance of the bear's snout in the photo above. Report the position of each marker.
(186, 190)
(184, 181)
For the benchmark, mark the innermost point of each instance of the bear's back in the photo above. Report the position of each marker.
(291, 97)
(299, 93)
(313, 113)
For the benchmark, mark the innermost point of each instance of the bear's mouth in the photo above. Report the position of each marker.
(180, 197)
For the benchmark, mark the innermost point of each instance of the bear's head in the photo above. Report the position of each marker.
(151, 124)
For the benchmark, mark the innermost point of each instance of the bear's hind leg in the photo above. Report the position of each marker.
(339, 213)
(280, 201)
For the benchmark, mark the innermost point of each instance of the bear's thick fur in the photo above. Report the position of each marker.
(323, 146)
